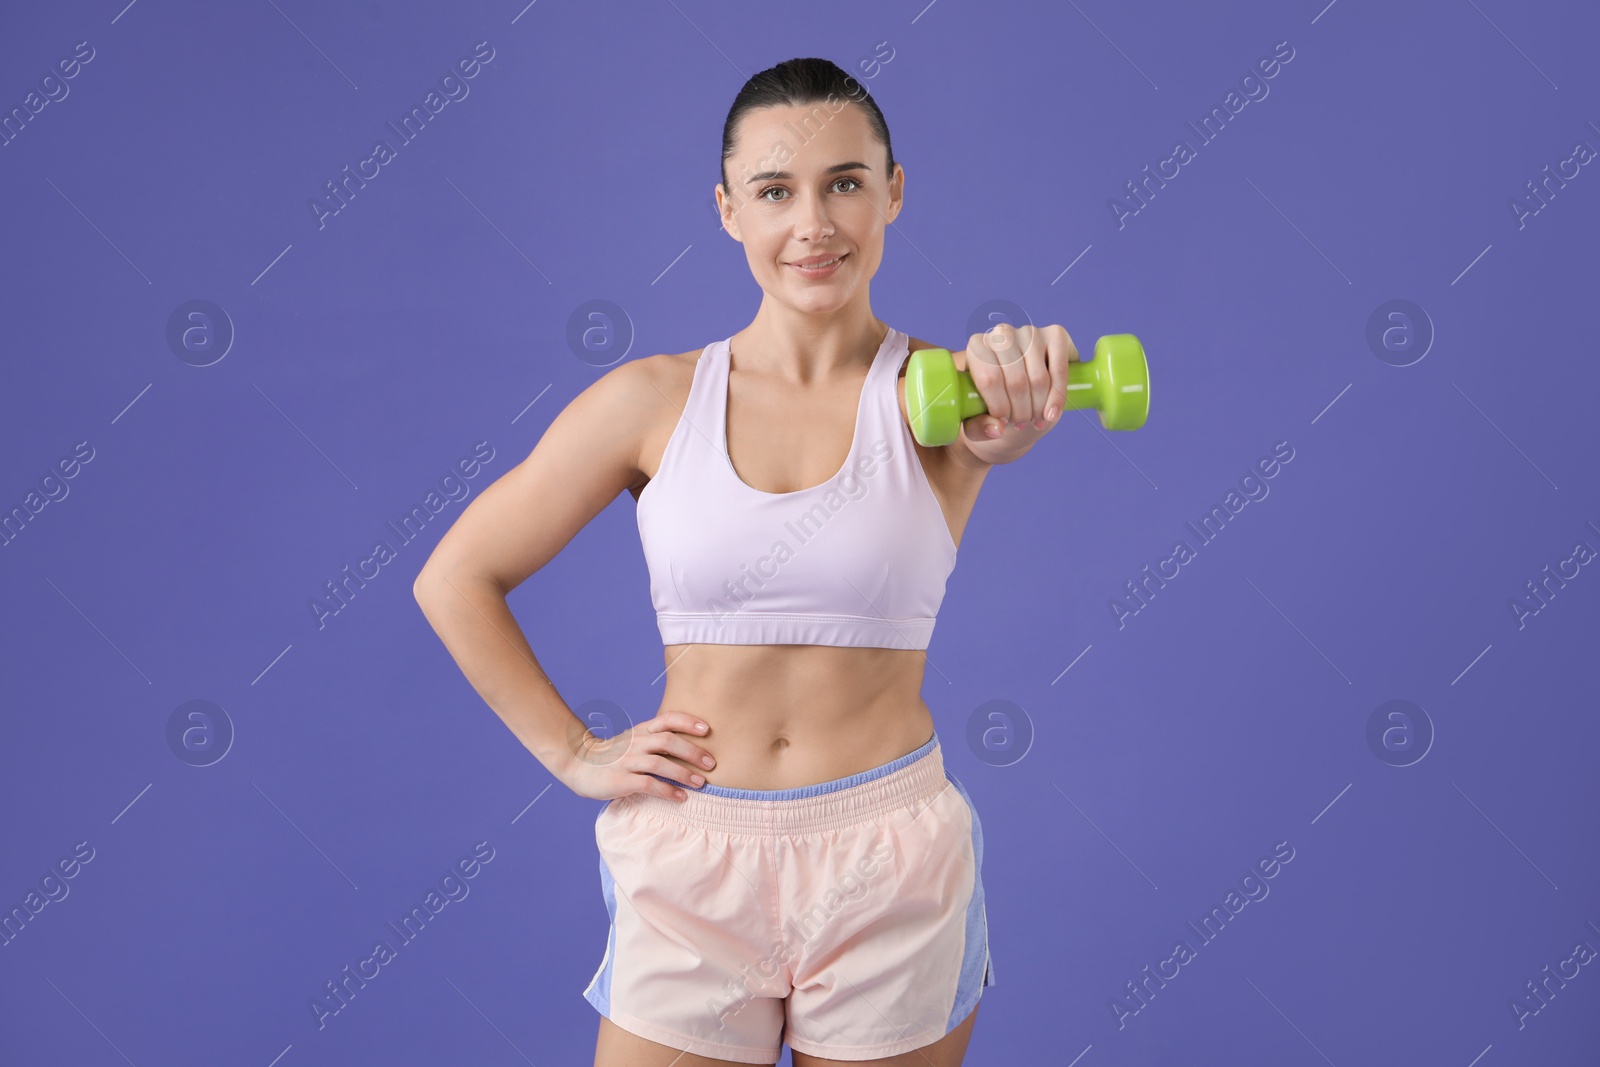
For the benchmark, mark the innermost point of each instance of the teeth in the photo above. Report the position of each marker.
(819, 266)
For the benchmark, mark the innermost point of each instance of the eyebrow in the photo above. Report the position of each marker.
(768, 175)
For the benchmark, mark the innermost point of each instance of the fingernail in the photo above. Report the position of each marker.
(994, 430)
(1051, 412)
(708, 761)
(697, 779)
(700, 726)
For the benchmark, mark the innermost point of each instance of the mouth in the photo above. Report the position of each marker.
(819, 270)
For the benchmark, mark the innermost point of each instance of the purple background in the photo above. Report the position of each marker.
(1437, 869)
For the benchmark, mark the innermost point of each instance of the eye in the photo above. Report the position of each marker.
(762, 195)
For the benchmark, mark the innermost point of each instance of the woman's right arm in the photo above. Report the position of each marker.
(590, 453)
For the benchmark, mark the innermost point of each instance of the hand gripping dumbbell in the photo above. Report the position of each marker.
(1116, 383)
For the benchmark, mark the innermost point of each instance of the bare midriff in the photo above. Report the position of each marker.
(783, 716)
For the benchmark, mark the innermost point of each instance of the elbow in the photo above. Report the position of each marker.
(420, 593)
(425, 587)
(433, 582)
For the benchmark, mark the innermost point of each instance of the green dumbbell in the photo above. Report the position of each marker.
(1116, 383)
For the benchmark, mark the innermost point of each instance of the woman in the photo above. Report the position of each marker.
(783, 855)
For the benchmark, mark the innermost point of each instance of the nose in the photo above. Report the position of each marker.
(811, 218)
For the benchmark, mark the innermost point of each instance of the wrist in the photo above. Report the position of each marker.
(562, 757)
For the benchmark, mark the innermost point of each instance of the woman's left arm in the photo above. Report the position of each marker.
(1021, 373)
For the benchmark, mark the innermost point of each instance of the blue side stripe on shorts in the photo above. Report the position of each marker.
(599, 991)
(976, 970)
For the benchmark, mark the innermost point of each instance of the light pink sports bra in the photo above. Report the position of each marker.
(859, 560)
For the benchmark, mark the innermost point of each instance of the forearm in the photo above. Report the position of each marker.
(472, 619)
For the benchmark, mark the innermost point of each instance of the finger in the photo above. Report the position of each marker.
(676, 771)
(1058, 377)
(978, 351)
(688, 723)
(657, 788)
(1035, 372)
(668, 729)
(678, 745)
(1050, 388)
(1012, 345)
(683, 722)
(983, 363)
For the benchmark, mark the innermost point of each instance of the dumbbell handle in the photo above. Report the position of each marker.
(1116, 383)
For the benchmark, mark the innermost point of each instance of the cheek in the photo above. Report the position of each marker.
(865, 226)
(762, 244)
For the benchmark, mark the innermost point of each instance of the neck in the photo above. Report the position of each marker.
(802, 347)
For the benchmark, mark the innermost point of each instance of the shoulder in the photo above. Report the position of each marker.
(645, 401)
(672, 369)
(644, 384)
(659, 384)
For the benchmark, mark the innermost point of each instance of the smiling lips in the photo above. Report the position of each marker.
(819, 266)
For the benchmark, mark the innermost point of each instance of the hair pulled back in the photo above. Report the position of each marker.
(796, 83)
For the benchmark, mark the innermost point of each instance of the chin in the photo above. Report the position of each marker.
(818, 303)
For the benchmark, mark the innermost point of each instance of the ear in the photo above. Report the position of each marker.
(897, 190)
(729, 212)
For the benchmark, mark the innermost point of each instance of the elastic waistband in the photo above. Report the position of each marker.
(916, 776)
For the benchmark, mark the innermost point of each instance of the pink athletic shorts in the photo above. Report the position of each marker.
(845, 918)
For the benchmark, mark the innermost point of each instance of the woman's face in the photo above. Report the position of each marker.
(807, 183)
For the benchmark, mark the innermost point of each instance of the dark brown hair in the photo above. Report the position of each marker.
(795, 83)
